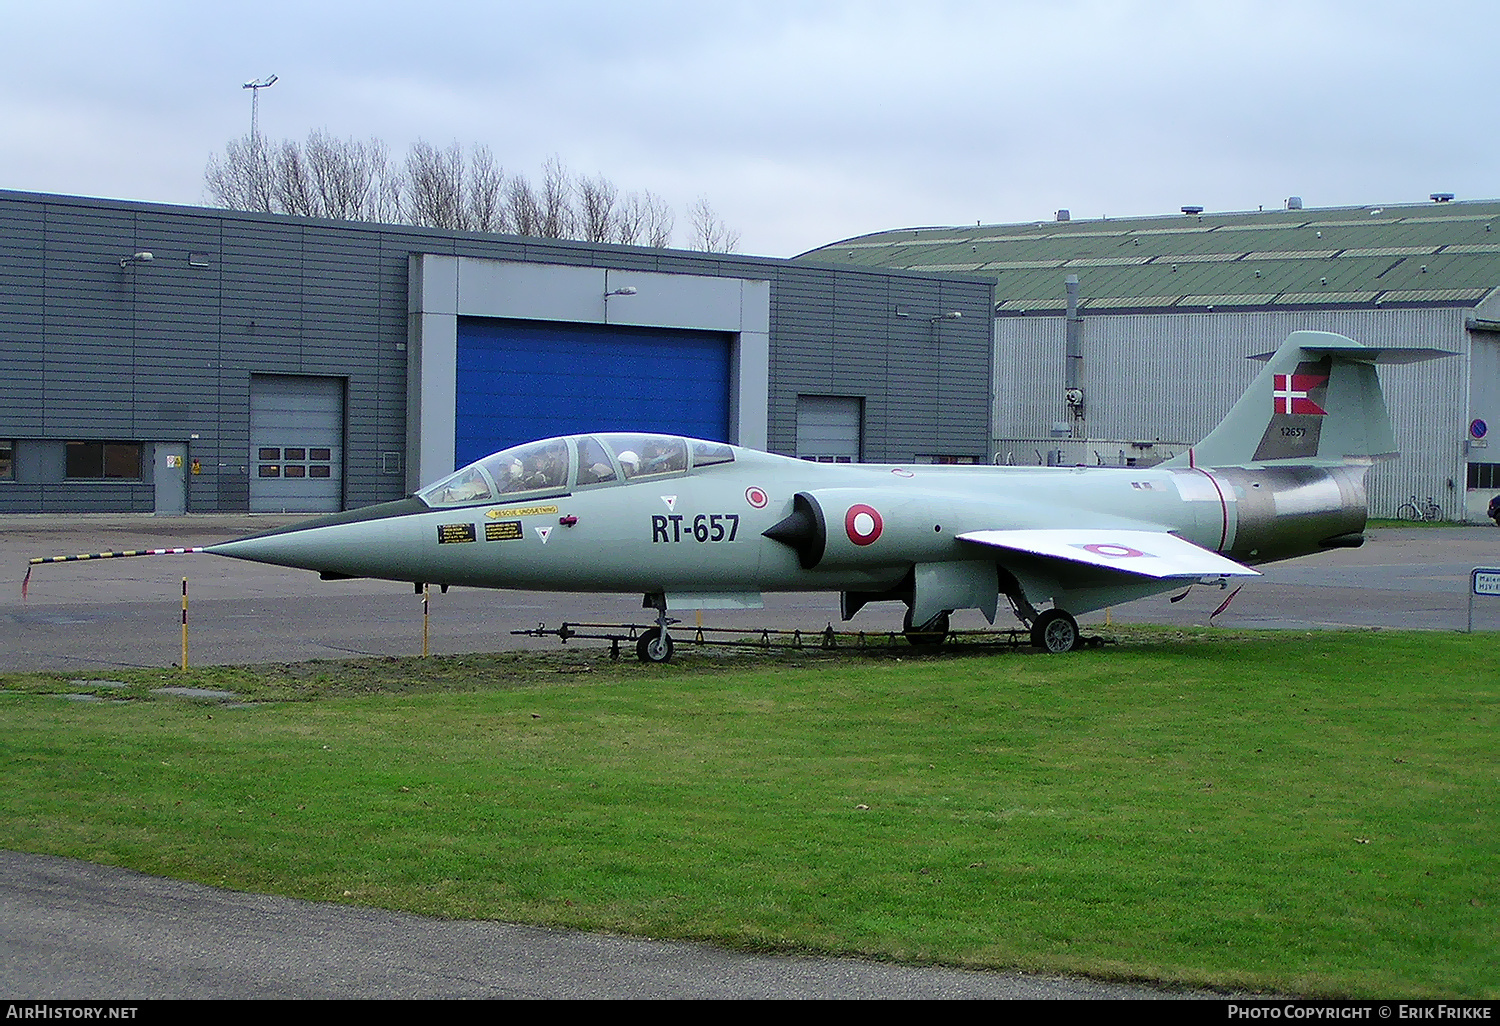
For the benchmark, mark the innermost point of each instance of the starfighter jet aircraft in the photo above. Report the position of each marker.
(694, 524)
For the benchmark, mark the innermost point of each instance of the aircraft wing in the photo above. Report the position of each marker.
(1148, 553)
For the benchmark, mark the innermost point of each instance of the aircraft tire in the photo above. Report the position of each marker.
(649, 648)
(931, 634)
(1055, 631)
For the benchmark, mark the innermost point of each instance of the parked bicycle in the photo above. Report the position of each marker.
(1414, 510)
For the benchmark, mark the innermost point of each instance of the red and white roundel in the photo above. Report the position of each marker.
(863, 524)
(1114, 551)
(756, 497)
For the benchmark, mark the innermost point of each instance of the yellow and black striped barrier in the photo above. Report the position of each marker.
(39, 560)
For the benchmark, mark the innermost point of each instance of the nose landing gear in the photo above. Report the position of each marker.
(655, 645)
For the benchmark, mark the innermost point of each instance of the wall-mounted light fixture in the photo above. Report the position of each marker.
(136, 258)
(627, 290)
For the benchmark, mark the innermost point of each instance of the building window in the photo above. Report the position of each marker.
(7, 459)
(1484, 475)
(119, 461)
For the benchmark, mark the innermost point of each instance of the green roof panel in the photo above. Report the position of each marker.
(1429, 253)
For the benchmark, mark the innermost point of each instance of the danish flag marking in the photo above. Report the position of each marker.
(1292, 393)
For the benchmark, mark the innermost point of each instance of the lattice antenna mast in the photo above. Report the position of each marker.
(255, 88)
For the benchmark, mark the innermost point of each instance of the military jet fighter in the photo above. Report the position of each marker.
(694, 524)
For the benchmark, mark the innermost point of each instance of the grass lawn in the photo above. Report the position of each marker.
(1315, 814)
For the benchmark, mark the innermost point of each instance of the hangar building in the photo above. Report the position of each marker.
(1170, 307)
(170, 359)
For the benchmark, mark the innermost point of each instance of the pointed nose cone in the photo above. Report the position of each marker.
(344, 544)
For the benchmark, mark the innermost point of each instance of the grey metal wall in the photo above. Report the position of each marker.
(924, 380)
(1174, 376)
(164, 351)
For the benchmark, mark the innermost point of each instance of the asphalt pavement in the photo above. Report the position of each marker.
(83, 932)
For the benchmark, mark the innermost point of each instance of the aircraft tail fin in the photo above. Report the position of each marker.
(1317, 401)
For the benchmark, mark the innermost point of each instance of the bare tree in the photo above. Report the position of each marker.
(659, 221)
(291, 191)
(434, 181)
(341, 175)
(387, 200)
(598, 220)
(643, 218)
(557, 218)
(709, 232)
(523, 212)
(325, 177)
(483, 193)
(630, 220)
(241, 179)
(444, 188)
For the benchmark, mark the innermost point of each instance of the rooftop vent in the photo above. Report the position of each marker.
(1063, 215)
(1441, 197)
(1192, 211)
(1294, 202)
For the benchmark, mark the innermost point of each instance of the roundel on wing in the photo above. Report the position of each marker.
(1114, 551)
(863, 524)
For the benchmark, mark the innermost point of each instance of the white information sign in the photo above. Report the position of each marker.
(1483, 580)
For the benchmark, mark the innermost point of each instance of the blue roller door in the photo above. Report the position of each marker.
(521, 380)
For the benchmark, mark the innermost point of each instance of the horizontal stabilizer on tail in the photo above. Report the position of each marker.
(1388, 355)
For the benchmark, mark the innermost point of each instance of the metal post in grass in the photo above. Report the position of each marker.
(426, 593)
(184, 625)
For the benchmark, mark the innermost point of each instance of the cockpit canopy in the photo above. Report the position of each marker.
(557, 465)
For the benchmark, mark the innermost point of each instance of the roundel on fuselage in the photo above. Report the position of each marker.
(863, 524)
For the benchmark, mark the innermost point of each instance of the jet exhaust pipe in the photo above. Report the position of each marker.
(1290, 511)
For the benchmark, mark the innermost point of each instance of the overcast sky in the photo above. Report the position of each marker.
(803, 123)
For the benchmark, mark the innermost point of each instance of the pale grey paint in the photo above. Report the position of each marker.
(169, 474)
(444, 288)
(304, 412)
(40, 460)
(431, 368)
(828, 425)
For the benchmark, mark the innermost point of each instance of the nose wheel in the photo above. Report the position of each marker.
(654, 646)
(1055, 631)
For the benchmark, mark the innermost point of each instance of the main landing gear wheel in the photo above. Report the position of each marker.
(652, 648)
(1055, 631)
(930, 635)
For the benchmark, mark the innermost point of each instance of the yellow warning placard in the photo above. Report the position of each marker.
(522, 511)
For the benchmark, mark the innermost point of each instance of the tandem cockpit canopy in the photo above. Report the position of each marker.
(556, 465)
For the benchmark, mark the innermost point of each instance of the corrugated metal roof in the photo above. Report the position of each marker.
(1446, 254)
